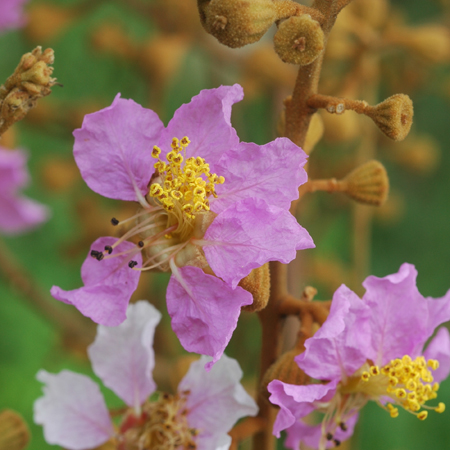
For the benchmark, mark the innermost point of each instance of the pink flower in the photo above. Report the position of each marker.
(212, 209)
(207, 404)
(17, 213)
(369, 349)
(11, 14)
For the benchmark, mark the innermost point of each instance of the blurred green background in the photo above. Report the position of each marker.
(156, 53)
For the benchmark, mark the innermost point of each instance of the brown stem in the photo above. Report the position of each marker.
(329, 185)
(245, 429)
(295, 306)
(71, 326)
(336, 105)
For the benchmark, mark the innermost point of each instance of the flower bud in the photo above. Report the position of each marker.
(14, 433)
(257, 282)
(368, 184)
(236, 23)
(286, 370)
(393, 116)
(299, 40)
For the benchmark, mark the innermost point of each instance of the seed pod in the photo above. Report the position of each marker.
(393, 117)
(14, 433)
(368, 184)
(286, 370)
(299, 40)
(257, 282)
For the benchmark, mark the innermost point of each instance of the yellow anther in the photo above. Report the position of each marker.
(420, 361)
(177, 195)
(385, 370)
(178, 159)
(155, 190)
(365, 376)
(434, 364)
(396, 363)
(199, 191)
(374, 370)
(168, 205)
(411, 385)
(188, 208)
(422, 415)
(393, 381)
(440, 408)
(412, 396)
(170, 155)
(190, 161)
(156, 151)
(400, 393)
(175, 143)
(221, 180)
(199, 161)
(167, 185)
(435, 387)
(185, 141)
(168, 236)
(393, 413)
(163, 197)
(200, 182)
(198, 206)
(406, 360)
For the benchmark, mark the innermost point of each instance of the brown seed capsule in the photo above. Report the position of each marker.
(236, 23)
(257, 282)
(393, 117)
(286, 370)
(368, 184)
(299, 40)
(14, 433)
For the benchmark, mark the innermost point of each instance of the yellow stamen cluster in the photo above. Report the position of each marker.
(184, 188)
(408, 382)
(165, 426)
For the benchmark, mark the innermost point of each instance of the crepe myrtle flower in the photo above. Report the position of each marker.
(17, 213)
(212, 208)
(368, 349)
(11, 14)
(198, 416)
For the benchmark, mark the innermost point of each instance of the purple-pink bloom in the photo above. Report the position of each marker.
(11, 14)
(368, 349)
(17, 213)
(75, 416)
(212, 208)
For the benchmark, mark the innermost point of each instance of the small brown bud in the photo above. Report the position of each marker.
(14, 433)
(368, 184)
(257, 282)
(299, 40)
(236, 23)
(286, 370)
(393, 117)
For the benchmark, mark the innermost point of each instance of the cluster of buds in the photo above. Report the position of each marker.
(30, 81)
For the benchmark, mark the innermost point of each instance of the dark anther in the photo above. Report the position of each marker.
(343, 426)
(336, 442)
(100, 256)
(109, 249)
(114, 221)
(132, 264)
(329, 436)
(141, 243)
(94, 253)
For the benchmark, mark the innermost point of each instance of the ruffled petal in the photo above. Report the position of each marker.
(216, 400)
(72, 411)
(399, 315)
(113, 149)
(296, 402)
(204, 311)
(205, 120)
(250, 233)
(123, 357)
(439, 348)
(108, 284)
(438, 312)
(18, 214)
(341, 344)
(272, 172)
(310, 435)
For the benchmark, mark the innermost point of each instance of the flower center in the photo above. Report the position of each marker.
(409, 383)
(184, 188)
(163, 426)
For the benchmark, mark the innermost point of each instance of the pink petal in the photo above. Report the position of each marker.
(204, 311)
(123, 357)
(13, 170)
(11, 14)
(205, 120)
(113, 149)
(310, 434)
(342, 343)
(216, 400)
(439, 348)
(250, 233)
(18, 214)
(108, 284)
(272, 172)
(72, 411)
(438, 312)
(296, 402)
